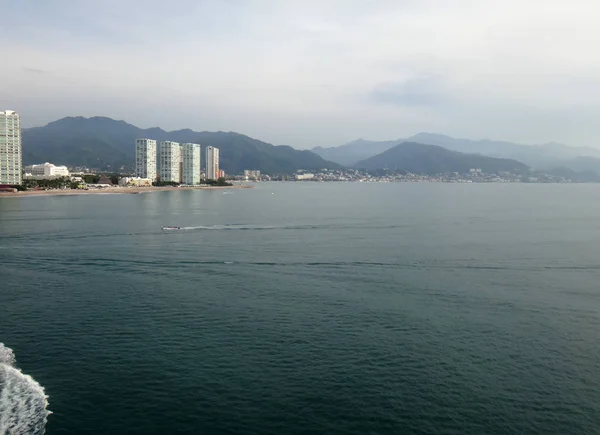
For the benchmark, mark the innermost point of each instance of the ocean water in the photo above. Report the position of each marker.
(302, 308)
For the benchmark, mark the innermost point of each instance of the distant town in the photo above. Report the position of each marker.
(168, 163)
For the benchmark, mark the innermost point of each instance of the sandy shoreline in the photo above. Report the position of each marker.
(115, 190)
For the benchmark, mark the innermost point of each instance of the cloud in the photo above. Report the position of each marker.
(418, 91)
(307, 72)
(33, 70)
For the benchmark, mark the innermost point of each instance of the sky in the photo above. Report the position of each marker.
(311, 72)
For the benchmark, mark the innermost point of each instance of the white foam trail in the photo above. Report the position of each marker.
(6, 355)
(23, 402)
(230, 227)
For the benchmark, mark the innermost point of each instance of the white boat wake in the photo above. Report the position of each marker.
(23, 402)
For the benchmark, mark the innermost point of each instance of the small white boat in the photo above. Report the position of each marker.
(169, 227)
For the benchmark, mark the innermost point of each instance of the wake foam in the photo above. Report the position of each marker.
(23, 402)
(230, 227)
(248, 227)
(7, 356)
(239, 227)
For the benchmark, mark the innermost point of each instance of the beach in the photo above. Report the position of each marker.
(115, 190)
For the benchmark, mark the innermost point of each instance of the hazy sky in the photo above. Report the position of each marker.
(307, 73)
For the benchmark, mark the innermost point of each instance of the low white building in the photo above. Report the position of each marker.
(251, 174)
(306, 176)
(135, 182)
(46, 170)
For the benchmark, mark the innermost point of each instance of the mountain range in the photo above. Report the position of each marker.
(418, 158)
(107, 144)
(543, 157)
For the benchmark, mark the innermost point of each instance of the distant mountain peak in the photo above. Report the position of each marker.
(420, 158)
(352, 152)
(101, 118)
(427, 134)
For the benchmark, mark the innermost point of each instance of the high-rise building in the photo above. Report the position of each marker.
(212, 163)
(170, 161)
(191, 158)
(11, 157)
(145, 158)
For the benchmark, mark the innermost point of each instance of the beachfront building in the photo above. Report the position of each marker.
(10, 148)
(135, 182)
(250, 174)
(305, 176)
(212, 163)
(191, 159)
(145, 158)
(170, 161)
(45, 171)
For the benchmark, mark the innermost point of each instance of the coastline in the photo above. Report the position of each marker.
(114, 191)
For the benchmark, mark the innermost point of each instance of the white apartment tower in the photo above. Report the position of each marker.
(170, 161)
(145, 158)
(191, 157)
(212, 163)
(10, 148)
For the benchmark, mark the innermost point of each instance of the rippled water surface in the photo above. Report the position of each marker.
(309, 308)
